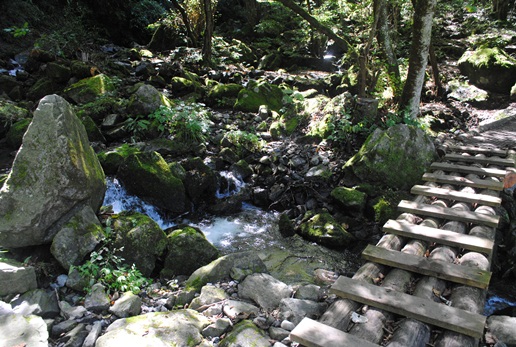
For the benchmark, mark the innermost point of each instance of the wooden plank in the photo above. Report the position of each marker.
(481, 199)
(481, 171)
(480, 150)
(437, 268)
(463, 181)
(440, 236)
(448, 213)
(311, 333)
(426, 311)
(480, 160)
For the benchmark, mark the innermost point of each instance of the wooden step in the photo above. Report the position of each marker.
(463, 181)
(481, 199)
(480, 150)
(437, 268)
(439, 236)
(448, 213)
(480, 160)
(311, 333)
(426, 311)
(480, 171)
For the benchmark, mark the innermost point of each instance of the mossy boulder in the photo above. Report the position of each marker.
(93, 131)
(396, 157)
(88, 89)
(147, 99)
(349, 198)
(43, 86)
(10, 113)
(112, 159)
(15, 134)
(58, 72)
(491, 69)
(325, 230)
(223, 94)
(245, 334)
(139, 239)
(182, 85)
(148, 176)
(188, 250)
(259, 93)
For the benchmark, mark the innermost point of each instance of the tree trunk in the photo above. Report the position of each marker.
(208, 32)
(316, 24)
(418, 60)
(186, 22)
(364, 55)
(435, 71)
(501, 9)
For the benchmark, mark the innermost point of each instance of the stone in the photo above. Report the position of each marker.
(58, 72)
(258, 93)
(188, 250)
(139, 239)
(308, 292)
(200, 180)
(239, 309)
(294, 310)
(71, 312)
(264, 289)
(245, 334)
(14, 136)
(209, 295)
(220, 268)
(97, 300)
(278, 334)
(94, 333)
(218, 328)
(318, 173)
(223, 94)
(19, 330)
(63, 327)
(40, 196)
(16, 278)
(146, 100)
(464, 92)
(43, 86)
(349, 197)
(396, 157)
(287, 325)
(502, 327)
(325, 230)
(128, 305)
(10, 113)
(156, 329)
(76, 336)
(88, 89)
(77, 238)
(38, 302)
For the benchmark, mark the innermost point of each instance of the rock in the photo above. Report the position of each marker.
(188, 250)
(308, 292)
(464, 92)
(148, 176)
(502, 327)
(287, 325)
(349, 197)
(14, 136)
(240, 309)
(94, 333)
(43, 86)
(140, 239)
(221, 268)
(278, 334)
(76, 336)
(128, 305)
(294, 310)
(180, 298)
(63, 327)
(71, 312)
(57, 72)
(285, 225)
(16, 278)
(19, 330)
(223, 94)
(200, 181)
(77, 238)
(183, 86)
(38, 302)
(88, 89)
(97, 300)
(489, 68)
(258, 93)
(77, 281)
(112, 159)
(68, 179)
(264, 289)
(216, 329)
(10, 113)
(318, 173)
(396, 157)
(146, 100)
(245, 334)
(209, 295)
(94, 133)
(157, 329)
(324, 229)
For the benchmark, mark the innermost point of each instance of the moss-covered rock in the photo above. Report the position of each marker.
(396, 157)
(94, 133)
(10, 113)
(139, 239)
(188, 250)
(112, 159)
(325, 230)
(223, 95)
(146, 100)
(259, 93)
(349, 197)
(43, 86)
(182, 85)
(88, 89)
(245, 334)
(15, 134)
(489, 68)
(148, 176)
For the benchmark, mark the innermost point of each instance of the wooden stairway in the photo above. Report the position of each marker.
(485, 169)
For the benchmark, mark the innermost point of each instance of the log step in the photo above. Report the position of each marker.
(480, 171)
(424, 266)
(426, 311)
(448, 213)
(481, 199)
(480, 160)
(480, 150)
(311, 333)
(440, 236)
(463, 181)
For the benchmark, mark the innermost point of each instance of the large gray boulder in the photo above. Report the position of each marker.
(396, 157)
(55, 174)
(19, 330)
(265, 290)
(16, 278)
(146, 100)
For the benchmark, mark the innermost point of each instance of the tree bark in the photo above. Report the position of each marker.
(208, 32)
(418, 60)
(316, 24)
(364, 55)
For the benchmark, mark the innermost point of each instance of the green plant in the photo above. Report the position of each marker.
(137, 126)
(244, 141)
(18, 31)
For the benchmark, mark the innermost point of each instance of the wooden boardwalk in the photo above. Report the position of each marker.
(430, 271)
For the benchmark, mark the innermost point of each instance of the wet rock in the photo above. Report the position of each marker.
(68, 179)
(88, 89)
(16, 278)
(324, 229)
(127, 305)
(245, 334)
(294, 310)
(97, 300)
(19, 330)
(285, 225)
(38, 302)
(200, 180)
(264, 289)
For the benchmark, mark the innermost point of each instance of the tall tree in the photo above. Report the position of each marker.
(418, 59)
(208, 31)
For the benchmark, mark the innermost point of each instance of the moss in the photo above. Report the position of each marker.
(15, 134)
(87, 89)
(257, 94)
(323, 228)
(487, 57)
(349, 197)
(246, 327)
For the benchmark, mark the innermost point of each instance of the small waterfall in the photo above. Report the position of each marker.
(229, 184)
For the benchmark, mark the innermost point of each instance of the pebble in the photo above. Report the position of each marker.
(287, 325)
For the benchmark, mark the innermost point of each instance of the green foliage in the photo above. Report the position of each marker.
(105, 267)
(18, 31)
(403, 116)
(244, 141)
(137, 126)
